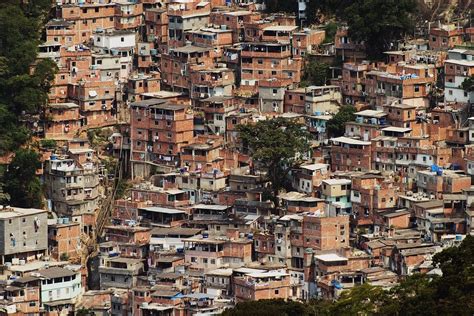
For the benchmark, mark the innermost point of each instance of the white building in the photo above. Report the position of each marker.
(60, 284)
(458, 67)
(110, 45)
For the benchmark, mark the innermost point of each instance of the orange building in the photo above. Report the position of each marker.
(62, 121)
(322, 232)
(261, 61)
(445, 37)
(64, 239)
(159, 129)
(256, 286)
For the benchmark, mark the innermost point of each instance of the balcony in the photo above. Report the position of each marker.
(73, 185)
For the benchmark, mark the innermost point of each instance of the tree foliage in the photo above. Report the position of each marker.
(21, 182)
(268, 308)
(379, 23)
(21, 91)
(468, 84)
(418, 295)
(274, 6)
(315, 73)
(276, 146)
(336, 125)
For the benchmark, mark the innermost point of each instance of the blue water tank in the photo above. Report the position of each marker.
(434, 168)
(205, 235)
(439, 172)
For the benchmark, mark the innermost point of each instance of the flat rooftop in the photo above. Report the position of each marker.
(337, 181)
(164, 210)
(330, 257)
(12, 212)
(350, 141)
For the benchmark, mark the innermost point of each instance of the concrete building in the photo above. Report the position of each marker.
(24, 233)
(61, 288)
(118, 272)
(458, 67)
(337, 192)
(72, 186)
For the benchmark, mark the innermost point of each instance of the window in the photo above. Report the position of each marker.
(122, 39)
(276, 292)
(274, 91)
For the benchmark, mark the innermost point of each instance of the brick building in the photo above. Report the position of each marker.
(159, 129)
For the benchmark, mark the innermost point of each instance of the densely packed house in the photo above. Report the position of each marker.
(195, 231)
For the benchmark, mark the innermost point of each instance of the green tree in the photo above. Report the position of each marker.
(336, 125)
(21, 182)
(379, 23)
(276, 146)
(19, 44)
(274, 6)
(468, 84)
(84, 312)
(315, 73)
(20, 90)
(455, 288)
(122, 187)
(12, 134)
(268, 308)
(330, 29)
